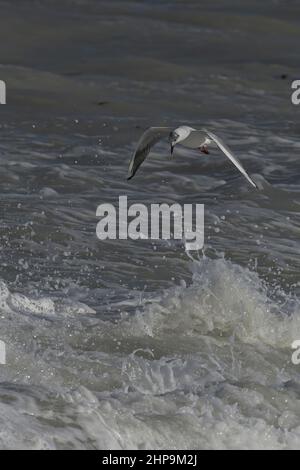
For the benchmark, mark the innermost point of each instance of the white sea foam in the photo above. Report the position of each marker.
(204, 366)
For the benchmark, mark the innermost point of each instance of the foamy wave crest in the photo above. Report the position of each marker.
(43, 306)
(223, 300)
(206, 365)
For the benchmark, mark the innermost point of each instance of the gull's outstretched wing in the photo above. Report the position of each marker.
(150, 137)
(230, 155)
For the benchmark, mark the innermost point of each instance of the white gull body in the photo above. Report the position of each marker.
(187, 137)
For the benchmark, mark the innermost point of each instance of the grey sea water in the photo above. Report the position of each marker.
(125, 344)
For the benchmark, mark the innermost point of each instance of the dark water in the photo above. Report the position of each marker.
(132, 344)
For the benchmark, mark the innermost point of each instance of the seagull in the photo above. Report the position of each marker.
(185, 136)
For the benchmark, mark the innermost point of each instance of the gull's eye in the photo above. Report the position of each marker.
(173, 136)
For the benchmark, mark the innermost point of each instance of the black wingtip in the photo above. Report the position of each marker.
(131, 175)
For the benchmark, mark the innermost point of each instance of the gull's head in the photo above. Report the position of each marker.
(177, 136)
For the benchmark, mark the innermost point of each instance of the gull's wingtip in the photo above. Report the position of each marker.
(253, 183)
(261, 183)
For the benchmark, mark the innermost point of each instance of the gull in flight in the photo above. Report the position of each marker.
(183, 135)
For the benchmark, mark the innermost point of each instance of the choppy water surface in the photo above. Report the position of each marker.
(132, 344)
